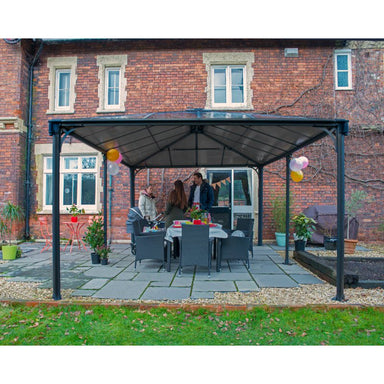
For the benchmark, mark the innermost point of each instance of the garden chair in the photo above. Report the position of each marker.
(149, 245)
(233, 248)
(46, 233)
(195, 247)
(246, 226)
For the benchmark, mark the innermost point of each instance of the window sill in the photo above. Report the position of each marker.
(68, 112)
(110, 110)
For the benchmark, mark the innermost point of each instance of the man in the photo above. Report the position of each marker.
(201, 193)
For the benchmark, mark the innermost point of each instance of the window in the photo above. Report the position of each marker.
(78, 181)
(112, 83)
(228, 85)
(229, 80)
(112, 86)
(62, 79)
(343, 71)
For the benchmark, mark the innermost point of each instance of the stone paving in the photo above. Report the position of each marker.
(150, 281)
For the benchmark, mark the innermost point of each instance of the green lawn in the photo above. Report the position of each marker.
(99, 325)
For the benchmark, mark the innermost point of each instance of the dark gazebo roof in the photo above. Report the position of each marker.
(199, 138)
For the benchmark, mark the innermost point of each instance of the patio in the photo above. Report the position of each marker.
(120, 280)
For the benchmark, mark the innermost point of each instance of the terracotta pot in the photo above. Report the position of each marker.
(74, 219)
(349, 246)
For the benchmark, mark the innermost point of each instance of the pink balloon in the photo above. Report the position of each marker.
(304, 161)
(118, 161)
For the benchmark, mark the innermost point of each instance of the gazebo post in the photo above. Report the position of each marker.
(105, 200)
(287, 182)
(55, 131)
(342, 130)
(260, 218)
(132, 185)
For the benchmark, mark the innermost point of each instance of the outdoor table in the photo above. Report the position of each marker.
(75, 234)
(215, 232)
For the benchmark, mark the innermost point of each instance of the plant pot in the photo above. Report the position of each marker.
(330, 243)
(9, 252)
(74, 219)
(349, 246)
(300, 245)
(280, 239)
(95, 258)
(104, 261)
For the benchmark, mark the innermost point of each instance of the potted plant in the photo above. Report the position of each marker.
(329, 232)
(352, 206)
(103, 251)
(12, 213)
(94, 237)
(303, 228)
(196, 214)
(279, 217)
(74, 211)
(3, 231)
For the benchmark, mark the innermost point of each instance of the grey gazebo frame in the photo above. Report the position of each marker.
(199, 138)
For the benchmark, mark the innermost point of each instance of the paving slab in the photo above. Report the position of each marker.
(182, 281)
(95, 284)
(154, 276)
(84, 292)
(102, 271)
(274, 281)
(265, 268)
(306, 279)
(166, 293)
(292, 268)
(202, 295)
(215, 286)
(247, 286)
(126, 275)
(127, 290)
(224, 276)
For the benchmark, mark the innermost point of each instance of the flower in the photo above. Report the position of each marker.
(195, 212)
(74, 211)
(103, 251)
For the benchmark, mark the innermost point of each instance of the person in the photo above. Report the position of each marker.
(177, 204)
(147, 204)
(201, 193)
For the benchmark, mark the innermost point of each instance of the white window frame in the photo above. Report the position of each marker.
(79, 171)
(229, 59)
(55, 66)
(107, 104)
(343, 52)
(228, 83)
(106, 63)
(57, 89)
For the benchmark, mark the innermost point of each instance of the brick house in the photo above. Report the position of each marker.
(115, 77)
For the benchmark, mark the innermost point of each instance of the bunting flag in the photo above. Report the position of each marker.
(221, 182)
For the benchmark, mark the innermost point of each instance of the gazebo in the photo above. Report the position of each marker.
(200, 138)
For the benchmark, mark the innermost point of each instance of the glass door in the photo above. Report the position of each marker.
(220, 181)
(233, 192)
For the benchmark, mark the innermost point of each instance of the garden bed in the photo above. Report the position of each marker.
(365, 272)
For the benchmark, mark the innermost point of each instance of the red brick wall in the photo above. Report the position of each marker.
(170, 75)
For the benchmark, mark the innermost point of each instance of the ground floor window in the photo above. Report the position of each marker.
(78, 182)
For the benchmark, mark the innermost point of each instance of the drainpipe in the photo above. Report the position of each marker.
(27, 233)
(110, 190)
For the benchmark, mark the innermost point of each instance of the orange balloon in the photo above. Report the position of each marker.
(297, 176)
(113, 154)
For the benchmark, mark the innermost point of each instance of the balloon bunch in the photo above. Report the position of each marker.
(114, 159)
(296, 165)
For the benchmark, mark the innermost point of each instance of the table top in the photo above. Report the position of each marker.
(214, 231)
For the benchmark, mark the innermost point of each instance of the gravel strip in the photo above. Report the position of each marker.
(302, 295)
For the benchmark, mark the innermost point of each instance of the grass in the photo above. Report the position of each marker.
(99, 325)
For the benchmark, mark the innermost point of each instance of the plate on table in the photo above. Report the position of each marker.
(176, 226)
(211, 225)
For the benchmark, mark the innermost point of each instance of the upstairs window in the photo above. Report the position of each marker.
(112, 83)
(228, 85)
(62, 80)
(343, 70)
(229, 78)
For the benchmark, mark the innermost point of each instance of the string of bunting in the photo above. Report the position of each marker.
(221, 182)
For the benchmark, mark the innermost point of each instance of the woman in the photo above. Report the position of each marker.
(147, 204)
(177, 204)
